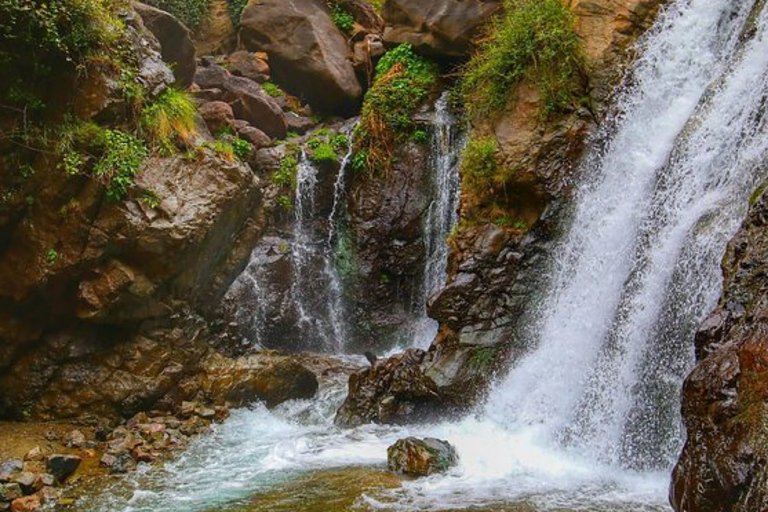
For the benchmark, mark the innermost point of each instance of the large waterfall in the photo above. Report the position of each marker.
(587, 417)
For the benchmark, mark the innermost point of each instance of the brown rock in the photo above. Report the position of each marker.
(26, 479)
(26, 504)
(49, 495)
(35, 454)
(74, 439)
(258, 138)
(443, 28)
(218, 116)
(10, 492)
(421, 457)
(250, 103)
(175, 40)
(254, 66)
(307, 53)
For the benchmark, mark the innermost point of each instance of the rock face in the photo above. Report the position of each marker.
(442, 28)
(494, 270)
(175, 40)
(421, 457)
(309, 56)
(725, 398)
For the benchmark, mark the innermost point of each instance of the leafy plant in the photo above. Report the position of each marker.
(272, 89)
(285, 176)
(169, 120)
(324, 153)
(284, 201)
(242, 149)
(235, 8)
(420, 137)
(51, 256)
(534, 40)
(123, 155)
(403, 80)
(479, 166)
(343, 20)
(190, 12)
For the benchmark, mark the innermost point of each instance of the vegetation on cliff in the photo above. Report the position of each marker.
(403, 81)
(533, 40)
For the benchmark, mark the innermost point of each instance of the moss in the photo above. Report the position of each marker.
(169, 120)
(287, 172)
(272, 89)
(190, 12)
(403, 81)
(235, 9)
(343, 20)
(479, 165)
(534, 40)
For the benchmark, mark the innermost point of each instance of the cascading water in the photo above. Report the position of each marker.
(448, 142)
(587, 420)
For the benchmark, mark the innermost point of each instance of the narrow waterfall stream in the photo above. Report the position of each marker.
(588, 418)
(448, 141)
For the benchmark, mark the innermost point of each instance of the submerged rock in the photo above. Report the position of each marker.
(62, 466)
(421, 457)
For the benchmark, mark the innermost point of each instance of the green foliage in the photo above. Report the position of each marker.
(324, 153)
(123, 154)
(403, 81)
(272, 89)
(479, 166)
(324, 145)
(242, 149)
(51, 256)
(190, 12)
(482, 359)
(285, 176)
(150, 199)
(534, 40)
(169, 120)
(284, 201)
(42, 41)
(420, 137)
(340, 141)
(343, 20)
(235, 8)
(292, 135)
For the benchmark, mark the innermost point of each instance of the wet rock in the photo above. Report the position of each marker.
(722, 465)
(307, 53)
(442, 28)
(118, 464)
(49, 495)
(26, 480)
(9, 468)
(421, 457)
(74, 439)
(218, 116)
(175, 40)
(26, 504)
(63, 466)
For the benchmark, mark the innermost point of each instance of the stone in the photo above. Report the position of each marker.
(35, 454)
(218, 116)
(26, 479)
(43, 480)
(49, 495)
(26, 504)
(251, 65)
(442, 28)
(101, 434)
(63, 466)
(421, 457)
(141, 454)
(74, 439)
(299, 124)
(10, 492)
(308, 55)
(177, 47)
(9, 468)
(258, 138)
(250, 103)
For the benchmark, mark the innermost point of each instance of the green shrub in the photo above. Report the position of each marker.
(123, 155)
(242, 149)
(324, 153)
(272, 89)
(43, 41)
(420, 137)
(343, 20)
(285, 202)
(169, 120)
(479, 166)
(235, 8)
(403, 81)
(535, 40)
(190, 12)
(286, 174)
(340, 141)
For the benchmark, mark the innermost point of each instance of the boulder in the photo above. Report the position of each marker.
(217, 115)
(421, 457)
(258, 138)
(62, 466)
(248, 100)
(308, 55)
(175, 40)
(441, 28)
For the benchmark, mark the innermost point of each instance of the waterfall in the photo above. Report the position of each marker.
(448, 141)
(661, 194)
